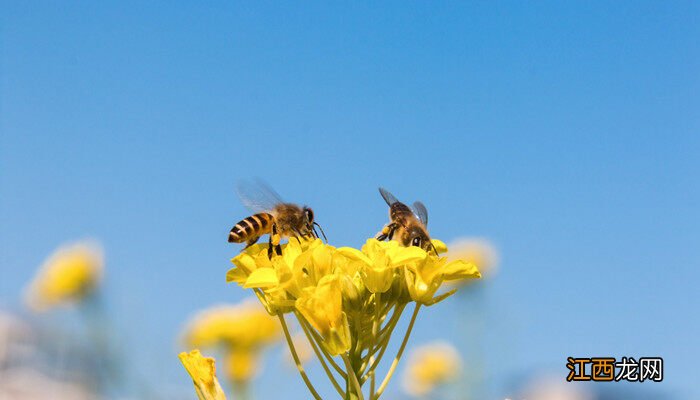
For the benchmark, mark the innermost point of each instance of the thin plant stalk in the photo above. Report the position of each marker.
(394, 363)
(321, 358)
(290, 343)
(319, 341)
(352, 379)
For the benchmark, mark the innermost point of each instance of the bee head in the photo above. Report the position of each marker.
(420, 238)
(309, 215)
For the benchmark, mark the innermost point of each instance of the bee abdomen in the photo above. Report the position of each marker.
(251, 227)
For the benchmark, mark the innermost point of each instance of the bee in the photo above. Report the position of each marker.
(407, 225)
(272, 216)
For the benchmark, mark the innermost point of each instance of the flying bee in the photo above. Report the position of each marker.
(407, 225)
(273, 217)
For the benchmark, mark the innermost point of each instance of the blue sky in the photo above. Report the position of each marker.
(566, 133)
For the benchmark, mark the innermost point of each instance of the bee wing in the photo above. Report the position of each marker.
(258, 196)
(421, 212)
(388, 197)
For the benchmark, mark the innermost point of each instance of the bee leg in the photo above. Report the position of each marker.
(269, 248)
(387, 232)
(251, 242)
(274, 241)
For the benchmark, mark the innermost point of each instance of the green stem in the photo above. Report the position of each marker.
(357, 389)
(389, 327)
(394, 363)
(383, 344)
(319, 341)
(320, 357)
(242, 390)
(296, 358)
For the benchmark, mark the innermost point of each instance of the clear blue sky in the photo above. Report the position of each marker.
(566, 132)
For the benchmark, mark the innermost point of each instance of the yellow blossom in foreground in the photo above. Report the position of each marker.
(477, 251)
(430, 366)
(425, 275)
(348, 301)
(203, 372)
(322, 307)
(67, 276)
(241, 331)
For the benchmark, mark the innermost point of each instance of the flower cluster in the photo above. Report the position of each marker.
(347, 301)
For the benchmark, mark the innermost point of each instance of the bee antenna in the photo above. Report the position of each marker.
(322, 232)
(434, 248)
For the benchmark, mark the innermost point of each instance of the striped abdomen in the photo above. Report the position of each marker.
(251, 228)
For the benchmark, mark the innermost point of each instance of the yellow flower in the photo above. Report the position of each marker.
(347, 301)
(203, 372)
(242, 365)
(430, 366)
(425, 275)
(240, 325)
(70, 274)
(322, 307)
(477, 251)
(242, 331)
(281, 278)
(379, 262)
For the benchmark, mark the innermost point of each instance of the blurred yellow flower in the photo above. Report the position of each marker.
(239, 325)
(477, 251)
(430, 366)
(203, 372)
(241, 331)
(70, 274)
(242, 364)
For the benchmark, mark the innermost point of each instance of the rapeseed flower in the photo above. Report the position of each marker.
(241, 332)
(477, 251)
(347, 301)
(203, 372)
(69, 275)
(431, 366)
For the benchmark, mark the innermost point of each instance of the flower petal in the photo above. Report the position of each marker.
(237, 275)
(203, 372)
(440, 246)
(262, 278)
(459, 269)
(404, 255)
(354, 254)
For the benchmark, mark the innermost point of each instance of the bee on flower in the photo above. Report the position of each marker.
(273, 216)
(408, 225)
(69, 275)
